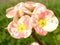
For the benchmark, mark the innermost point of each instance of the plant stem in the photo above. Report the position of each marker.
(35, 37)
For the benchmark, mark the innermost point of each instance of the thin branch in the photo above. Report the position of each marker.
(35, 37)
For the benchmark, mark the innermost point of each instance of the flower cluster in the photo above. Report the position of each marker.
(28, 15)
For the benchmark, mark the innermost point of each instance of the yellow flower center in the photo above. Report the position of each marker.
(41, 22)
(22, 27)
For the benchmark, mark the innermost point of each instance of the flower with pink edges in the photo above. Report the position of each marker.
(21, 28)
(44, 22)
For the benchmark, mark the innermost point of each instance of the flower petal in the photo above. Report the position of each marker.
(26, 11)
(40, 31)
(39, 8)
(51, 24)
(27, 22)
(21, 6)
(27, 33)
(30, 5)
(11, 13)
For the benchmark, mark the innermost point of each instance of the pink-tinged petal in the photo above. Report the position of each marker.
(39, 4)
(40, 31)
(35, 43)
(27, 33)
(9, 9)
(34, 19)
(26, 11)
(21, 7)
(11, 12)
(13, 30)
(39, 8)
(26, 20)
(45, 13)
(20, 12)
(12, 25)
(51, 22)
(30, 5)
(15, 34)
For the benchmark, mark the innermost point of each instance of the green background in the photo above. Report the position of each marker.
(52, 38)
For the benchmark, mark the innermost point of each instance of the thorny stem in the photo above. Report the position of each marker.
(35, 37)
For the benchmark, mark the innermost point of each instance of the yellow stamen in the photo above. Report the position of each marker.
(41, 22)
(22, 27)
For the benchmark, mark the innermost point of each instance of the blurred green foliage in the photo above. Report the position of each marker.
(52, 38)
